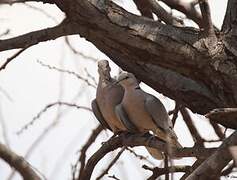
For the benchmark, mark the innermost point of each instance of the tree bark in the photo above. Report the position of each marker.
(174, 61)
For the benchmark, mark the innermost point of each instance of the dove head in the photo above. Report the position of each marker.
(127, 80)
(104, 69)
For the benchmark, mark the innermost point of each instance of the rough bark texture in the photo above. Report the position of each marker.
(195, 67)
(173, 60)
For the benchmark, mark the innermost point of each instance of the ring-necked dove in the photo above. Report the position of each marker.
(145, 112)
(108, 95)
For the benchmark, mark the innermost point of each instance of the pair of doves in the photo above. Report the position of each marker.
(121, 105)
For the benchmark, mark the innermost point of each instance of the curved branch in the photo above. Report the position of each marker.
(18, 162)
(139, 140)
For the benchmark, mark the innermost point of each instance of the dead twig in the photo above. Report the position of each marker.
(46, 108)
(111, 164)
(156, 172)
(68, 72)
(82, 158)
(12, 58)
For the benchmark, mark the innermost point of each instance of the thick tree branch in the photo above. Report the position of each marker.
(139, 45)
(18, 163)
(171, 60)
(212, 167)
(138, 140)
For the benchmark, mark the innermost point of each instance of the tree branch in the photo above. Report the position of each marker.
(224, 116)
(138, 140)
(111, 164)
(12, 58)
(198, 140)
(210, 40)
(19, 163)
(212, 167)
(156, 172)
(144, 7)
(172, 60)
(82, 158)
(32, 38)
(163, 14)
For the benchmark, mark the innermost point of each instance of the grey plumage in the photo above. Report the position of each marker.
(145, 112)
(108, 95)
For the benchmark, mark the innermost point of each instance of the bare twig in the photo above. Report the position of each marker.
(111, 164)
(156, 172)
(5, 93)
(68, 72)
(12, 57)
(19, 163)
(211, 168)
(4, 128)
(90, 76)
(141, 157)
(48, 107)
(82, 158)
(7, 31)
(113, 177)
(42, 11)
(166, 166)
(77, 52)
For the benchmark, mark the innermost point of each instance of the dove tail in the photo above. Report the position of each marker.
(155, 153)
(169, 137)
